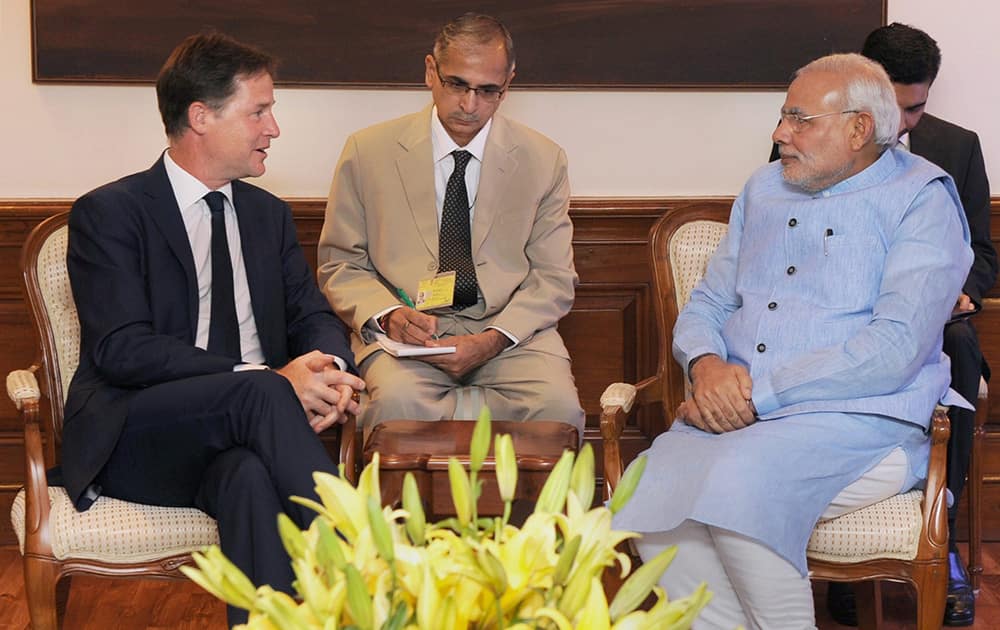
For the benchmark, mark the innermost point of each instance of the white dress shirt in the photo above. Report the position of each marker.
(189, 192)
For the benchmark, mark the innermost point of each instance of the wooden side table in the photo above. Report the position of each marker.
(423, 448)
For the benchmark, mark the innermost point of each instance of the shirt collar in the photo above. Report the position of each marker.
(188, 189)
(442, 145)
(875, 174)
(905, 140)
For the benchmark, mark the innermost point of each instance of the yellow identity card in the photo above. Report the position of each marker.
(436, 292)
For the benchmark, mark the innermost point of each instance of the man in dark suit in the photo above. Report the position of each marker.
(209, 358)
(912, 59)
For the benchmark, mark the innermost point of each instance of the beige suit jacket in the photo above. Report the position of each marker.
(381, 230)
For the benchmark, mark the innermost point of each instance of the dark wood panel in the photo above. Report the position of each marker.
(586, 43)
(601, 326)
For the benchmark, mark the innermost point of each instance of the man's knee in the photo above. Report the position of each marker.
(960, 340)
(265, 395)
(565, 409)
(235, 482)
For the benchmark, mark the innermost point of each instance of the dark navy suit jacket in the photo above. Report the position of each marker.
(133, 278)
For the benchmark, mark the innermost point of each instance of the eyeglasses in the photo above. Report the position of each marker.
(489, 93)
(797, 122)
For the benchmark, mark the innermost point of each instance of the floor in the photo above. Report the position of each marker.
(151, 604)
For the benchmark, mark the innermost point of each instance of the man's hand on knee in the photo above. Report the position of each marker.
(324, 391)
(471, 351)
(720, 396)
(346, 387)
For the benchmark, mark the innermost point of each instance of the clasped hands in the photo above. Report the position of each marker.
(327, 393)
(409, 325)
(720, 400)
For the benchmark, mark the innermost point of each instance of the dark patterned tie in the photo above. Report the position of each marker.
(223, 327)
(455, 242)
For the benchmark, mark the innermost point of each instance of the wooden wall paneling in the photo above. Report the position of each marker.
(611, 331)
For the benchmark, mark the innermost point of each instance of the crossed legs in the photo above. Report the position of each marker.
(235, 445)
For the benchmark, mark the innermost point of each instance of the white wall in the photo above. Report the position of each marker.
(60, 141)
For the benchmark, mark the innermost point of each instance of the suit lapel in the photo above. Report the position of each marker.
(415, 166)
(167, 217)
(499, 164)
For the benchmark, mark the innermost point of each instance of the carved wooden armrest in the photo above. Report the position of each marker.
(935, 496)
(22, 387)
(616, 402)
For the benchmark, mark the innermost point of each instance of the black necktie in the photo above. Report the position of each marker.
(455, 242)
(223, 327)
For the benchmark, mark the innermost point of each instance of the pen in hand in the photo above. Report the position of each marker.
(406, 300)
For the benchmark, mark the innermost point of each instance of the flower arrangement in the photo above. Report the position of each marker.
(366, 567)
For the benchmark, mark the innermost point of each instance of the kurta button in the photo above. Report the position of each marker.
(792, 222)
(761, 347)
(772, 306)
(790, 270)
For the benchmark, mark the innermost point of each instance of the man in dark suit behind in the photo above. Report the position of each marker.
(912, 59)
(190, 285)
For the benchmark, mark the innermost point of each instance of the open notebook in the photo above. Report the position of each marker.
(398, 349)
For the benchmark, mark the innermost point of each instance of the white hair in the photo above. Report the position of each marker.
(867, 89)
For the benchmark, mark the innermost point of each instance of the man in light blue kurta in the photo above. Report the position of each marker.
(814, 348)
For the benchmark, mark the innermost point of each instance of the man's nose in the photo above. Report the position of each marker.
(782, 132)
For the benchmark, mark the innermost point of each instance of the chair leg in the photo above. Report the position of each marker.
(40, 579)
(868, 602)
(975, 485)
(931, 586)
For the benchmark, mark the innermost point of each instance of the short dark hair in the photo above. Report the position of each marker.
(908, 54)
(477, 29)
(205, 68)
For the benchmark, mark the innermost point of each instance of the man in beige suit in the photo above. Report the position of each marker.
(493, 247)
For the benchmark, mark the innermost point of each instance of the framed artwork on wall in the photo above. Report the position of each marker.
(587, 44)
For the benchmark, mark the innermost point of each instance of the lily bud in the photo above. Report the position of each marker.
(291, 536)
(461, 492)
(359, 603)
(638, 585)
(627, 485)
(329, 555)
(506, 466)
(480, 440)
(416, 522)
(553, 495)
(380, 531)
(582, 479)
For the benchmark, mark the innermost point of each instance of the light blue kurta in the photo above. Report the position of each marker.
(835, 302)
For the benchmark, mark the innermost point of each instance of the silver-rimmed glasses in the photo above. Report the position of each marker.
(797, 122)
(489, 93)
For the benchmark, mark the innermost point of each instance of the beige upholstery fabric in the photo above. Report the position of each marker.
(22, 386)
(887, 529)
(619, 395)
(54, 283)
(118, 531)
(690, 248)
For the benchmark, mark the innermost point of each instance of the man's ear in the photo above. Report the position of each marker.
(862, 130)
(430, 71)
(199, 115)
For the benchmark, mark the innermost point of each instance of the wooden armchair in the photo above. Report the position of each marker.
(113, 538)
(903, 538)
